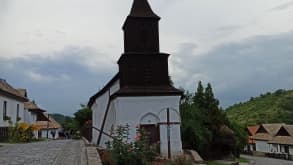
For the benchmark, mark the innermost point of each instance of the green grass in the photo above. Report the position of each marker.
(216, 163)
(242, 160)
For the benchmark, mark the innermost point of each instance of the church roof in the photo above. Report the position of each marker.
(141, 8)
(136, 91)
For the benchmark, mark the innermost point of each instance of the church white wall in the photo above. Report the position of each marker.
(131, 109)
(99, 109)
(115, 87)
(11, 110)
(262, 146)
(109, 127)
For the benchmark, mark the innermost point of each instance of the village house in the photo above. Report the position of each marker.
(263, 135)
(274, 140)
(141, 94)
(11, 107)
(49, 128)
(282, 142)
(36, 116)
(251, 131)
(32, 112)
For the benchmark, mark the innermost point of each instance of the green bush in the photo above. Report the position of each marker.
(124, 152)
(22, 132)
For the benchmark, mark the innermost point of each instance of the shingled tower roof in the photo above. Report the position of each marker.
(141, 8)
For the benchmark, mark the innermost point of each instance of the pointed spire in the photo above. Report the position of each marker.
(141, 8)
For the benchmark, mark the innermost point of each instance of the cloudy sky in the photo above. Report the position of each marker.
(63, 51)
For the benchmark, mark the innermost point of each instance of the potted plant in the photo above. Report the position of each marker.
(7, 118)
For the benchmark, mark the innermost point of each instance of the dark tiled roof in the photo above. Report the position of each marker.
(271, 131)
(44, 124)
(141, 8)
(148, 91)
(31, 106)
(282, 140)
(102, 91)
(22, 92)
(9, 91)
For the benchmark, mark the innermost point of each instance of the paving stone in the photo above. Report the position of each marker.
(54, 152)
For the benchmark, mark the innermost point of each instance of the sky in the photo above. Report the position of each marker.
(64, 51)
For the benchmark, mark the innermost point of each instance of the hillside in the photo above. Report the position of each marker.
(274, 107)
(60, 118)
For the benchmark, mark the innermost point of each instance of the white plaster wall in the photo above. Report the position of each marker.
(26, 116)
(115, 87)
(282, 148)
(109, 127)
(274, 148)
(131, 109)
(291, 150)
(44, 133)
(11, 110)
(262, 146)
(99, 109)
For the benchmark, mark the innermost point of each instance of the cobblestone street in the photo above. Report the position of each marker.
(267, 161)
(54, 152)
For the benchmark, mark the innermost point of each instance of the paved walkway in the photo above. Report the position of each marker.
(267, 161)
(54, 152)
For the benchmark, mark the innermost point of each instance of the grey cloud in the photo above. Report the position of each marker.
(240, 70)
(283, 6)
(229, 28)
(65, 81)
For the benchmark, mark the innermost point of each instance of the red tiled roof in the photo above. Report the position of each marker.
(252, 129)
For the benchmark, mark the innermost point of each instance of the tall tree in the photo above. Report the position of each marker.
(199, 97)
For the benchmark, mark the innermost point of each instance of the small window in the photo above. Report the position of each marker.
(4, 110)
(17, 112)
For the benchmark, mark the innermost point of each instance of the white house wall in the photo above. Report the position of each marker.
(27, 116)
(131, 109)
(262, 146)
(291, 150)
(11, 110)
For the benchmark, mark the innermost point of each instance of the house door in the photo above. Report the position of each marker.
(152, 131)
(286, 149)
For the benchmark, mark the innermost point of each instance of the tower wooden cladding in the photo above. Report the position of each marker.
(142, 64)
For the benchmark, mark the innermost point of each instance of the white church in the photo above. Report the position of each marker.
(141, 93)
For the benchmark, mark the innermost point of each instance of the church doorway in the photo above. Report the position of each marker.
(149, 124)
(152, 131)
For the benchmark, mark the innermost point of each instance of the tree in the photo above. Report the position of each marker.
(82, 115)
(198, 98)
(205, 126)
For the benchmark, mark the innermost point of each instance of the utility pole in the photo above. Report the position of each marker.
(48, 127)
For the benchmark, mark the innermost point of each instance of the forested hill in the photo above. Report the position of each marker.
(274, 107)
